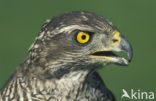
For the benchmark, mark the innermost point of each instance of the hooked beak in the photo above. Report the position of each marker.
(126, 47)
(123, 45)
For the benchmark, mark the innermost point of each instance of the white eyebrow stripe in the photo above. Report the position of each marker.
(73, 27)
(68, 29)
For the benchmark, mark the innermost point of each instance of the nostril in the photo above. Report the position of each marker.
(115, 40)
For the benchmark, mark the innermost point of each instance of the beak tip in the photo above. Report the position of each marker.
(130, 55)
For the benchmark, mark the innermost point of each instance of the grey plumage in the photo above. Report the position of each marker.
(59, 68)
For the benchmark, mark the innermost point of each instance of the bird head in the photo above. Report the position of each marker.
(82, 40)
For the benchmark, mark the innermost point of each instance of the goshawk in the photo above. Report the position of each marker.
(61, 64)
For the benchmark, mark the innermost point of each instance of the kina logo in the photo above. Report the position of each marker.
(137, 94)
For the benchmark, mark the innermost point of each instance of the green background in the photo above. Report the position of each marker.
(20, 22)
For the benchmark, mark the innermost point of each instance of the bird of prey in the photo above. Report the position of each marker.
(61, 64)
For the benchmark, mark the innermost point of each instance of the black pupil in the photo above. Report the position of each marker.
(83, 37)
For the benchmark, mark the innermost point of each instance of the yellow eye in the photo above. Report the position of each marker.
(83, 37)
